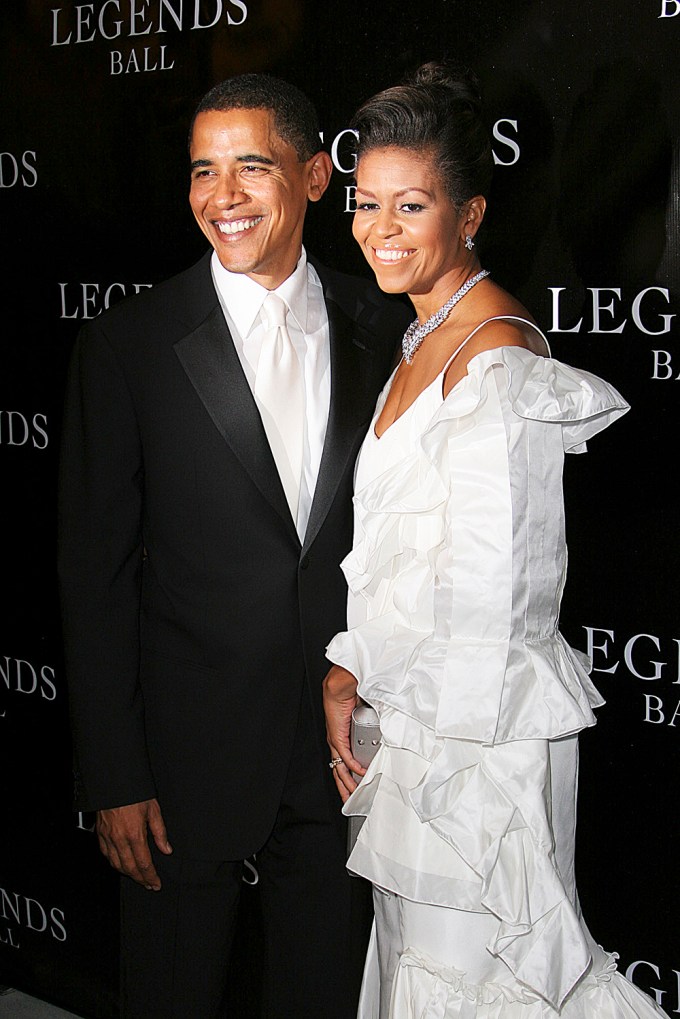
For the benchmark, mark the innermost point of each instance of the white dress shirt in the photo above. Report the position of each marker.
(241, 299)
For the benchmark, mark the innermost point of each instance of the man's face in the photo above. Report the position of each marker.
(249, 192)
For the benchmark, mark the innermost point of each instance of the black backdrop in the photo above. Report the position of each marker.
(582, 225)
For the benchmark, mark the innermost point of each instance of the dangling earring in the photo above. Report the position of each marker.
(469, 243)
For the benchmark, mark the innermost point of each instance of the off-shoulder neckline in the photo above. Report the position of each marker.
(438, 378)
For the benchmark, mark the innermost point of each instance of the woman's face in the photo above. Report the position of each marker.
(406, 225)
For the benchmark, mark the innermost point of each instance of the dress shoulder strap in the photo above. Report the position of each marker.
(495, 318)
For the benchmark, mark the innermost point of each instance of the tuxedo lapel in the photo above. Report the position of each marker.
(209, 358)
(347, 416)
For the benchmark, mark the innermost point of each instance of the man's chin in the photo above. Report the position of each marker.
(233, 262)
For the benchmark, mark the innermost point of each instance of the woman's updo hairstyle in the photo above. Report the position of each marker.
(438, 108)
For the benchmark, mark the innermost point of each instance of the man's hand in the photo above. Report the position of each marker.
(339, 700)
(123, 840)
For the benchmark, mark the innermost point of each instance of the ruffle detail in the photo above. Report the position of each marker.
(494, 815)
(486, 682)
(490, 692)
(472, 830)
(455, 581)
(539, 389)
(394, 849)
(401, 514)
(494, 692)
(400, 525)
(424, 989)
(543, 389)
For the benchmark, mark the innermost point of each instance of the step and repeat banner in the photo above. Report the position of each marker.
(582, 225)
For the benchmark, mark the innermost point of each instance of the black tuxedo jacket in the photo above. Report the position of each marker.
(192, 615)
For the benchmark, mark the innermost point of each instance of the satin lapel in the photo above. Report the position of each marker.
(210, 360)
(348, 415)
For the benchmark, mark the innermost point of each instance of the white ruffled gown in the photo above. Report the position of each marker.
(455, 582)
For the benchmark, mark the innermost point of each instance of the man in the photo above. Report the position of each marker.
(206, 489)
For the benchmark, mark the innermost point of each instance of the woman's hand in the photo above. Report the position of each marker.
(339, 700)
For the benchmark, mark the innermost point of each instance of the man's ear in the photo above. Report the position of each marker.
(319, 169)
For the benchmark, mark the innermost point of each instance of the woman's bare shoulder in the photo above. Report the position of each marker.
(501, 321)
(506, 333)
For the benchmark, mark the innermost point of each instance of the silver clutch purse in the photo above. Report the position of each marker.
(364, 738)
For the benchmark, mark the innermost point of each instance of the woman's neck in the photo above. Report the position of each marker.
(427, 304)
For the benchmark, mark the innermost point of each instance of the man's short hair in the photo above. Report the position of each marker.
(295, 117)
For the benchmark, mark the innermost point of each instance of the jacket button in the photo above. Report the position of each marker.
(304, 562)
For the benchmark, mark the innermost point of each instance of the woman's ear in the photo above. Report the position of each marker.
(473, 215)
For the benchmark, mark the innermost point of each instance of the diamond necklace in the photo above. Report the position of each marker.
(416, 333)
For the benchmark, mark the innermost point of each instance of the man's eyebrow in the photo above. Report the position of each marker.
(251, 157)
(255, 158)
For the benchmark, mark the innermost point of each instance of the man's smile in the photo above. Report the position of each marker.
(237, 226)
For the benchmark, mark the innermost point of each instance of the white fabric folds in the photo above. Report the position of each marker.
(425, 990)
(455, 582)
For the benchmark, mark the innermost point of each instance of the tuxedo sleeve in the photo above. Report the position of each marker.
(100, 565)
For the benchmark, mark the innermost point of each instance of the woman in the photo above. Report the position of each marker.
(455, 580)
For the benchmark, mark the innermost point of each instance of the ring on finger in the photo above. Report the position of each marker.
(334, 763)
